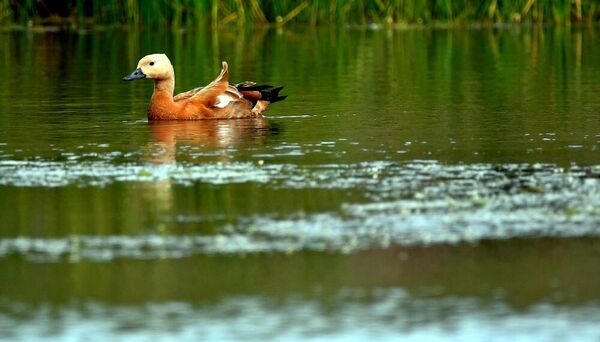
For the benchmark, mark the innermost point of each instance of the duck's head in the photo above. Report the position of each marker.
(156, 66)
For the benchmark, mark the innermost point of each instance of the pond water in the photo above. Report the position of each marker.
(421, 184)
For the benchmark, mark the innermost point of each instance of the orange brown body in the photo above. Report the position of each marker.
(218, 100)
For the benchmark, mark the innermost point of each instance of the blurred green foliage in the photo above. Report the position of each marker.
(194, 13)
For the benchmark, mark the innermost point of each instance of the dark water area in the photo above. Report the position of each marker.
(420, 184)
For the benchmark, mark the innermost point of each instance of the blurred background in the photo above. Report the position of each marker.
(196, 14)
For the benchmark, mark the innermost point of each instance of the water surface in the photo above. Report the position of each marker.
(418, 184)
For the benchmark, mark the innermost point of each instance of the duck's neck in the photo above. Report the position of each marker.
(164, 87)
(162, 105)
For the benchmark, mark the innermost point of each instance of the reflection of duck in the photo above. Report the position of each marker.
(209, 133)
(218, 100)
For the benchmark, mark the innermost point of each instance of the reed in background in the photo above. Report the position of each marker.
(199, 13)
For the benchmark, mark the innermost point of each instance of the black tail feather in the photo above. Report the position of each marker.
(267, 92)
(272, 95)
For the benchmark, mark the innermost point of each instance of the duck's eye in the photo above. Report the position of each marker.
(151, 63)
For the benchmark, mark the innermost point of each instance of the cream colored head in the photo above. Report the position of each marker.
(156, 66)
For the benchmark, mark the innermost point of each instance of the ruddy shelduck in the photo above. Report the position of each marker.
(218, 100)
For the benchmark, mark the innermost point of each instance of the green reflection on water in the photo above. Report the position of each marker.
(453, 95)
(519, 272)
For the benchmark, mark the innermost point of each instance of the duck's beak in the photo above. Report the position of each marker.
(135, 75)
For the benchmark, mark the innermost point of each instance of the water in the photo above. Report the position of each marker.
(417, 184)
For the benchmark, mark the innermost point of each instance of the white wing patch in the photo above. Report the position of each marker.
(223, 100)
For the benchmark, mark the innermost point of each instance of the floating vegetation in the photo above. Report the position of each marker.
(389, 313)
(383, 179)
(409, 203)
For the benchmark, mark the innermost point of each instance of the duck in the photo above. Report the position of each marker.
(218, 100)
